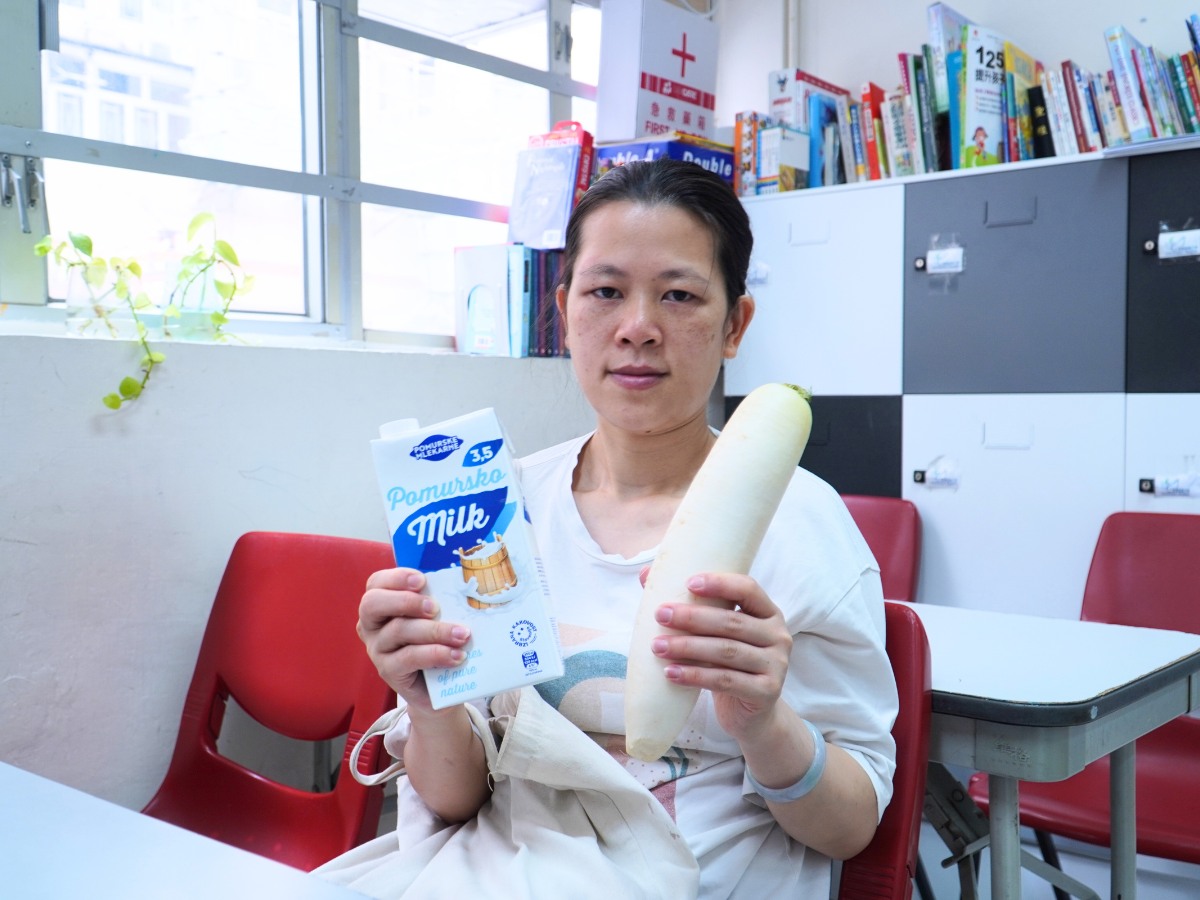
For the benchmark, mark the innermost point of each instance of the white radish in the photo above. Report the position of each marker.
(718, 527)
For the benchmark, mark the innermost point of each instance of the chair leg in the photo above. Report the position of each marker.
(1050, 854)
(924, 888)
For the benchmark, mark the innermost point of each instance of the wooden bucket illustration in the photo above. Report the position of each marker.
(492, 574)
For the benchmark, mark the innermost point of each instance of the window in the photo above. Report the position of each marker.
(67, 70)
(112, 122)
(131, 9)
(120, 82)
(147, 128)
(70, 113)
(510, 29)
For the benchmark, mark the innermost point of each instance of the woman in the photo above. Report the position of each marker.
(654, 299)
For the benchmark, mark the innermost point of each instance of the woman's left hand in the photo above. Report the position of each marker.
(741, 654)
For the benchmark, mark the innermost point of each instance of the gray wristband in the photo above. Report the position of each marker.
(805, 784)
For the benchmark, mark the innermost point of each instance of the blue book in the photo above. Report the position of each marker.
(543, 196)
(520, 261)
(954, 62)
(824, 141)
(707, 157)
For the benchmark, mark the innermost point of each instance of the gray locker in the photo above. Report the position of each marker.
(1162, 440)
(1036, 476)
(1039, 306)
(827, 276)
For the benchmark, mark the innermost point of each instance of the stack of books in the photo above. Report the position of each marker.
(970, 97)
(504, 301)
(552, 174)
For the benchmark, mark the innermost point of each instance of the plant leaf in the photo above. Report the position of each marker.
(141, 330)
(219, 319)
(82, 243)
(172, 311)
(122, 288)
(198, 222)
(224, 288)
(112, 401)
(135, 267)
(226, 252)
(58, 252)
(142, 301)
(129, 387)
(156, 357)
(96, 272)
(247, 285)
(44, 246)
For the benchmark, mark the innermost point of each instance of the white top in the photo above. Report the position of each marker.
(815, 565)
(56, 841)
(1028, 659)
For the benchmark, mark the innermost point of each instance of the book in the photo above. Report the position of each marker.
(1068, 83)
(945, 37)
(939, 119)
(1102, 92)
(954, 72)
(1043, 140)
(1193, 27)
(716, 158)
(896, 129)
(1116, 97)
(790, 90)
(1069, 127)
(983, 136)
(824, 141)
(1188, 61)
(520, 260)
(783, 160)
(1170, 93)
(1081, 107)
(1187, 107)
(1056, 132)
(916, 136)
(871, 113)
(858, 144)
(566, 134)
(848, 172)
(481, 306)
(1092, 119)
(926, 115)
(1021, 74)
(746, 130)
(544, 195)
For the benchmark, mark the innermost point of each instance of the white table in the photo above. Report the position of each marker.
(57, 842)
(1024, 698)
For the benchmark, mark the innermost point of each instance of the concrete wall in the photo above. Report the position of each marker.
(115, 527)
(852, 41)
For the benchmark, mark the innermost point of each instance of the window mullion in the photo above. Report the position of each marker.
(22, 273)
(558, 35)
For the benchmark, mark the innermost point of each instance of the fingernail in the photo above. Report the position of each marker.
(459, 633)
(659, 645)
(457, 656)
(428, 606)
(696, 583)
(663, 615)
(415, 581)
(673, 672)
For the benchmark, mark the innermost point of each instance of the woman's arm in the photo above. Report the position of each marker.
(742, 657)
(443, 756)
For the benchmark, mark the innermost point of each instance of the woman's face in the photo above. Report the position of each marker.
(647, 318)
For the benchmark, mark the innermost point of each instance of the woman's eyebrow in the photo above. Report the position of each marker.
(676, 274)
(604, 269)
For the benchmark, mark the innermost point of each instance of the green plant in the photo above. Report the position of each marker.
(114, 277)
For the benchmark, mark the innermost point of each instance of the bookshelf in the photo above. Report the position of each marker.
(1056, 371)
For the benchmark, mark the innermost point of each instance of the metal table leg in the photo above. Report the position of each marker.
(1003, 812)
(1123, 821)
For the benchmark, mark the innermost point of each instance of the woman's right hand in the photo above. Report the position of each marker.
(397, 625)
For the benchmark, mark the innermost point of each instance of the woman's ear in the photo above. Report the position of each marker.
(736, 324)
(560, 300)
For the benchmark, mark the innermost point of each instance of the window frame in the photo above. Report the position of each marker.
(330, 176)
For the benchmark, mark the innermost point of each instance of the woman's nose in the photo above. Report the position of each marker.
(639, 323)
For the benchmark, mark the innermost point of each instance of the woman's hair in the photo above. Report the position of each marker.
(685, 185)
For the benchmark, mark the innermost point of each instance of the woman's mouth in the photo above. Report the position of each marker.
(637, 378)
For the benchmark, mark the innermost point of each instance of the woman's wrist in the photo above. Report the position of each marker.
(782, 752)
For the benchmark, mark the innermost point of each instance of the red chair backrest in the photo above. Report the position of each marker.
(1144, 572)
(885, 869)
(281, 640)
(892, 528)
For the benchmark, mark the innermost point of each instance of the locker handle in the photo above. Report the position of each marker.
(1009, 211)
(1146, 485)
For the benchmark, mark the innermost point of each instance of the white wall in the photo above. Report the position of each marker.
(115, 527)
(852, 41)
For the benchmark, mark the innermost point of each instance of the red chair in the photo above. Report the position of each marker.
(281, 640)
(892, 528)
(886, 869)
(1143, 574)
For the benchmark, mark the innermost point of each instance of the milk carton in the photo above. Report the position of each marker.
(455, 511)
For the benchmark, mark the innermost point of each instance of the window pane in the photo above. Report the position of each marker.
(429, 125)
(511, 29)
(585, 44)
(145, 216)
(219, 78)
(408, 266)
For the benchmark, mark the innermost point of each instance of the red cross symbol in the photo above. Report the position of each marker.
(684, 57)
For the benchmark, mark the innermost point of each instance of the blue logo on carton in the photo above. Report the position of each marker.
(436, 446)
(529, 659)
(427, 539)
(523, 633)
(482, 453)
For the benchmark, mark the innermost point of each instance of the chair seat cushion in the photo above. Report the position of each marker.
(1168, 797)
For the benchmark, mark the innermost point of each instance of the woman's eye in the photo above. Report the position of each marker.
(606, 293)
(678, 296)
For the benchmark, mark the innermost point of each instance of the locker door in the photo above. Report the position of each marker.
(1162, 437)
(1037, 476)
(829, 312)
(854, 445)
(1164, 296)
(1039, 306)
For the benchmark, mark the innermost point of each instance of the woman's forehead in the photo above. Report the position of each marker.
(649, 234)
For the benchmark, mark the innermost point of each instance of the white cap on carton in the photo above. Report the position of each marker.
(399, 428)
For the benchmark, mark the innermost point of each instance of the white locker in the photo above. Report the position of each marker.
(1162, 438)
(1036, 476)
(830, 310)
